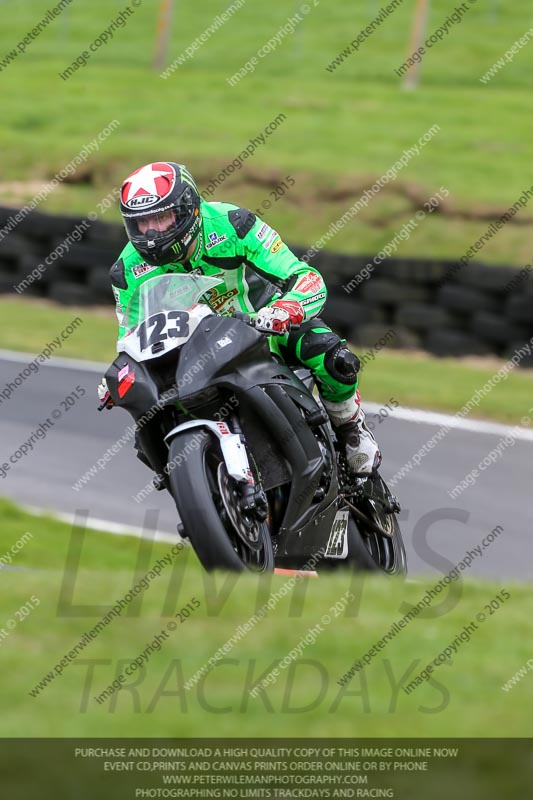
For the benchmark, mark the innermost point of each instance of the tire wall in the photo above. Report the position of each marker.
(430, 304)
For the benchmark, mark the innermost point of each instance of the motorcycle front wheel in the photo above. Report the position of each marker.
(222, 535)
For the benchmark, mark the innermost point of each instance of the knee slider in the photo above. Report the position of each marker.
(317, 343)
(342, 364)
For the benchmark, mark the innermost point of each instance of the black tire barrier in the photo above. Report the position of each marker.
(379, 336)
(519, 308)
(6, 284)
(99, 285)
(526, 360)
(389, 292)
(417, 271)
(342, 311)
(69, 294)
(438, 305)
(497, 329)
(462, 298)
(424, 317)
(443, 342)
(345, 267)
(106, 235)
(492, 279)
(524, 284)
(32, 276)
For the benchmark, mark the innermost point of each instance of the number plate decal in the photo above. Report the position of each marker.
(338, 538)
(169, 325)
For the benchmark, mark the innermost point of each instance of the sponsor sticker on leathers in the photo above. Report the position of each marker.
(217, 301)
(214, 239)
(142, 269)
(310, 282)
(268, 243)
(262, 232)
(314, 299)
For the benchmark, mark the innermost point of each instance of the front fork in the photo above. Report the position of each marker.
(253, 499)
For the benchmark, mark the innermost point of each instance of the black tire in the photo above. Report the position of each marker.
(424, 317)
(106, 234)
(412, 270)
(523, 283)
(68, 293)
(370, 551)
(88, 256)
(26, 265)
(443, 342)
(100, 286)
(343, 311)
(196, 491)
(7, 283)
(466, 300)
(519, 308)
(497, 329)
(526, 361)
(491, 278)
(14, 246)
(375, 335)
(381, 290)
(342, 267)
(37, 225)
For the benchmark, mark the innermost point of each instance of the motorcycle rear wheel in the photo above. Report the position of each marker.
(369, 550)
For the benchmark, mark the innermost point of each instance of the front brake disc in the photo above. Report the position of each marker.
(246, 528)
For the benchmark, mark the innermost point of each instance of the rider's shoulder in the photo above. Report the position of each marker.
(241, 220)
(128, 265)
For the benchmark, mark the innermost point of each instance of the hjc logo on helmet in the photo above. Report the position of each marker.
(142, 201)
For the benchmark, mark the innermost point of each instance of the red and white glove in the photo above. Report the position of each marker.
(280, 316)
(104, 395)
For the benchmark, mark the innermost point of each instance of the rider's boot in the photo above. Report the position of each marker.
(361, 449)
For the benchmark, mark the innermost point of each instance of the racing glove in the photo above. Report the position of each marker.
(104, 395)
(280, 317)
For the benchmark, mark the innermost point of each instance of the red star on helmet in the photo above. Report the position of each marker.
(156, 179)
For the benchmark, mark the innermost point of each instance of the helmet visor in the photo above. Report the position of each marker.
(157, 230)
(156, 223)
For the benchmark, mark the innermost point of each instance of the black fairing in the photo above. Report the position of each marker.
(143, 393)
(231, 353)
(143, 396)
(274, 405)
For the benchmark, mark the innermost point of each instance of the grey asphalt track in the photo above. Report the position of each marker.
(437, 530)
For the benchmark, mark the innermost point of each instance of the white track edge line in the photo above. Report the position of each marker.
(102, 525)
(436, 418)
(417, 415)
(55, 361)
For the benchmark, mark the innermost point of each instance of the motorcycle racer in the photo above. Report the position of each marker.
(171, 229)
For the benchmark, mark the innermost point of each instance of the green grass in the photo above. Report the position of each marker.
(447, 385)
(28, 326)
(342, 128)
(412, 379)
(371, 705)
